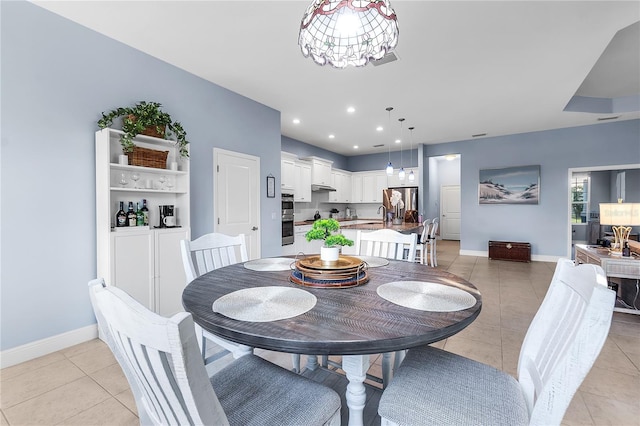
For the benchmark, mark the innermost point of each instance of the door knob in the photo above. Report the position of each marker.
(255, 228)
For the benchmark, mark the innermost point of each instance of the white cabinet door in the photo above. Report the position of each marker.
(380, 185)
(288, 174)
(345, 192)
(320, 171)
(169, 271)
(369, 188)
(356, 188)
(302, 182)
(336, 182)
(132, 265)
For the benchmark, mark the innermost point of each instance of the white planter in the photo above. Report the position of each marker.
(329, 255)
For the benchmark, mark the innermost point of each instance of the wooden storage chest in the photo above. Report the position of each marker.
(509, 250)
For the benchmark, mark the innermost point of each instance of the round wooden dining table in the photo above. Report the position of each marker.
(353, 322)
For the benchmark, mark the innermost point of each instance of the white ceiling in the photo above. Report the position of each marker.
(465, 67)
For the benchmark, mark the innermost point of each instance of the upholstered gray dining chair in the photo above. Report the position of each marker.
(162, 362)
(433, 386)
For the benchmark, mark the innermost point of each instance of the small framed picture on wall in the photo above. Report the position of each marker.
(271, 186)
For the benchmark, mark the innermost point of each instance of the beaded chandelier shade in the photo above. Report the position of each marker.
(348, 32)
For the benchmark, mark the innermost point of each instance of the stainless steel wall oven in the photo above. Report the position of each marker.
(287, 219)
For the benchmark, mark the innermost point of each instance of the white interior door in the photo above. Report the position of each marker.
(450, 212)
(236, 197)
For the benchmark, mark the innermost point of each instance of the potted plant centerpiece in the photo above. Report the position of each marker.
(146, 118)
(322, 230)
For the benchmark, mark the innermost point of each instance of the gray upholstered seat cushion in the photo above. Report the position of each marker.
(436, 387)
(249, 387)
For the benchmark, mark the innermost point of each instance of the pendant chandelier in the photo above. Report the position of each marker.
(401, 172)
(412, 177)
(389, 165)
(348, 32)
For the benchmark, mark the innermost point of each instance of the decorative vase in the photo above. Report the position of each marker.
(329, 255)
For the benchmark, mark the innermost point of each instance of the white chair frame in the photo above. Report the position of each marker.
(160, 358)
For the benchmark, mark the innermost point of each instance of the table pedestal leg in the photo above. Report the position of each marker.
(356, 367)
(386, 369)
(312, 362)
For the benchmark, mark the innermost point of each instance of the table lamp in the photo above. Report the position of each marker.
(622, 216)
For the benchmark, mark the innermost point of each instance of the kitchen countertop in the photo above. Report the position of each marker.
(372, 225)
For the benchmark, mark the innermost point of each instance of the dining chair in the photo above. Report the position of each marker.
(205, 254)
(424, 246)
(161, 360)
(391, 245)
(433, 386)
(387, 243)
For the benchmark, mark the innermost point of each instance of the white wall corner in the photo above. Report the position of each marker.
(46, 346)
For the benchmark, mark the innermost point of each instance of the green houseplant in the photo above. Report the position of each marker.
(145, 115)
(322, 230)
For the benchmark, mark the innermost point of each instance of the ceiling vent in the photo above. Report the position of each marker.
(615, 117)
(379, 145)
(478, 135)
(389, 57)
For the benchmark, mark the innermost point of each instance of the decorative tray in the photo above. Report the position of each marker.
(347, 271)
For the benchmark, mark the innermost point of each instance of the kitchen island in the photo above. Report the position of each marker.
(349, 228)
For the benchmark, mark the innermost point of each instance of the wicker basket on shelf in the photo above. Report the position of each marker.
(146, 157)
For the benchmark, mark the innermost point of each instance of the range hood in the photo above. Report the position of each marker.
(321, 188)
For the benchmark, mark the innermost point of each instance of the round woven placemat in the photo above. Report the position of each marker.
(426, 296)
(373, 261)
(264, 304)
(270, 264)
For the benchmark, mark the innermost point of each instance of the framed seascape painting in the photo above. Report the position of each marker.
(512, 185)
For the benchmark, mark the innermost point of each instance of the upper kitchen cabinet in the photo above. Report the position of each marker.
(302, 184)
(287, 171)
(341, 181)
(320, 171)
(395, 182)
(366, 187)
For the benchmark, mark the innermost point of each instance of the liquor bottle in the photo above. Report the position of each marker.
(626, 251)
(139, 216)
(145, 213)
(131, 215)
(121, 216)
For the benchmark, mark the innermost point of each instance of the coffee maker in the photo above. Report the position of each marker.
(167, 218)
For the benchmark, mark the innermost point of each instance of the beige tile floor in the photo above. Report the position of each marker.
(83, 385)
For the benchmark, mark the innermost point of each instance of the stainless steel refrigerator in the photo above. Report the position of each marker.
(409, 196)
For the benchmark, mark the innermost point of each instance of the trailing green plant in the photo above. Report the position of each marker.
(135, 120)
(322, 230)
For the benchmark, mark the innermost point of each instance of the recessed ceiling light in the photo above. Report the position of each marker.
(351, 110)
(398, 141)
(355, 147)
(379, 128)
(296, 121)
(332, 136)
(450, 157)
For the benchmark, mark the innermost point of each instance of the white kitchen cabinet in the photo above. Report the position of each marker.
(144, 261)
(302, 182)
(341, 181)
(366, 187)
(287, 171)
(395, 182)
(320, 171)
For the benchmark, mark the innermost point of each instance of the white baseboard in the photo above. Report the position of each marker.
(534, 257)
(46, 346)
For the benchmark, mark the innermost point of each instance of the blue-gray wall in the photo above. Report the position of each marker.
(362, 163)
(57, 77)
(545, 225)
(303, 150)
